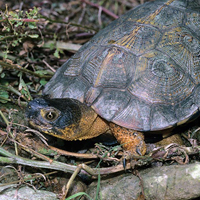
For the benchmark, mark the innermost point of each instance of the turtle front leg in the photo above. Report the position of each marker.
(131, 140)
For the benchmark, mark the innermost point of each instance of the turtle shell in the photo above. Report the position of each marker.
(140, 72)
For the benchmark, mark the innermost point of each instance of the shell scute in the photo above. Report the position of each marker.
(111, 102)
(193, 22)
(136, 115)
(162, 117)
(186, 109)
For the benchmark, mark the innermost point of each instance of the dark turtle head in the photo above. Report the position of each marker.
(57, 117)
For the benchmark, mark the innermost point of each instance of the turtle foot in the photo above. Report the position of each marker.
(132, 141)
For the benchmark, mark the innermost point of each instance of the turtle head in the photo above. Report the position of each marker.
(58, 117)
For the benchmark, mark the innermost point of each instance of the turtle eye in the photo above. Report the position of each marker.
(50, 115)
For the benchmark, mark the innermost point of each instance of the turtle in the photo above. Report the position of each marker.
(140, 74)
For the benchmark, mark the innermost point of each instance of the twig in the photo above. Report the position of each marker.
(8, 125)
(99, 15)
(78, 155)
(11, 158)
(136, 173)
(82, 155)
(51, 68)
(69, 183)
(103, 9)
(4, 118)
(16, 67)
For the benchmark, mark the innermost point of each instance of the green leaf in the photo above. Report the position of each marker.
(18, 24)
(98, 186)
(79, 194)
(15, 43)
(2, 74)
(23, 88)
(32, 25)
(43, 81)
(4, 97)
(13, 14)
(56, 53)
(42, 72)
(34, 36)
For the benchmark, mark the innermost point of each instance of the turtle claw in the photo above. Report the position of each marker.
(124, 163)
(126, 156)
(138, 151)
(132, 158)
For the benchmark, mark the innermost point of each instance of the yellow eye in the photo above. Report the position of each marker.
(50, 115)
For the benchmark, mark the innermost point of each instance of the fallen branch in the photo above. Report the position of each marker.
(13, 159)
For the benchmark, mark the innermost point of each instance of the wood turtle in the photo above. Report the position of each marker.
(139, 74)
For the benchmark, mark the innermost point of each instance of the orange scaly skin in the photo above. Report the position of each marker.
(85, 130)
(131, 140)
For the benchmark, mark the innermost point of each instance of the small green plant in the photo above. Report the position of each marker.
(19, 35)
(18, 25)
